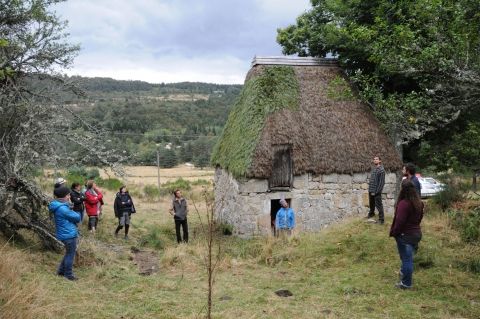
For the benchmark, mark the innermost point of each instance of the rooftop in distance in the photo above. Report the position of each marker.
(286, 60)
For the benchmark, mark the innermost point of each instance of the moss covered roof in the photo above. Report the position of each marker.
(311, 108)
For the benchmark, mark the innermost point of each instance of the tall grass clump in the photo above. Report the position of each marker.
(158, 237)
(19, 298)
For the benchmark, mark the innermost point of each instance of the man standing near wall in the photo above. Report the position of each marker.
(179, 211)
(409, 171)
(375, 188)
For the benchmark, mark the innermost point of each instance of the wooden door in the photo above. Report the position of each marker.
(282, 170)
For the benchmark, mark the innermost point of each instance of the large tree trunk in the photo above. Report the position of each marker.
(23, 206)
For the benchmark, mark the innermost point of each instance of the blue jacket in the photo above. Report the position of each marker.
(65, 220)
(285, 219)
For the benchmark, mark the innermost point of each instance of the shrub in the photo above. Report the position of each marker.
(180, 183)
(226, 229)
(113, 184)
(200, 182)
(92, 173)
(453, 192)
(76, 170)
(151, 191)
(467, 223)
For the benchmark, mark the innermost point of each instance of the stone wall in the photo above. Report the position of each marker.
(318, 200)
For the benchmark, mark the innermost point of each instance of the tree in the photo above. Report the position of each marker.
(34, 124)
(416, 62)
(168, 158)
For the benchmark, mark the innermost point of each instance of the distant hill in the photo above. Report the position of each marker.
(143, 117)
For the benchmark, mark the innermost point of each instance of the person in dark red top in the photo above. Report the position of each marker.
(406, 230)
(93, 201)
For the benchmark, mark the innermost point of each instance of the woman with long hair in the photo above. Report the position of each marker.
(406, 230)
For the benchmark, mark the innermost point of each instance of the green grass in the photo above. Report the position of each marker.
(346, 271)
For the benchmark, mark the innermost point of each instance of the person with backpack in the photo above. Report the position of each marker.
(406, 230)
(93, 202)
(66, 229)
(123, 208)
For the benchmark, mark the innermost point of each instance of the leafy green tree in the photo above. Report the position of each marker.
(416, 62)
(168, 158)
(34, 123)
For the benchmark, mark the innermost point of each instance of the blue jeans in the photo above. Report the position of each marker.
(66, 265)
(406, 252)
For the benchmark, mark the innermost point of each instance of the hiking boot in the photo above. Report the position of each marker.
(126, 237)
(73, 278)
(402, 286)
(116, 235)
(370, 216)
(381, 222)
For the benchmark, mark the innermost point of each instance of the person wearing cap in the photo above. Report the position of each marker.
(285, 220)
(66, 229)
(123, 208)
(59, 182)
(93, 200)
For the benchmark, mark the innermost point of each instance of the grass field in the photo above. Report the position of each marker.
(145, 175)
(346, 271)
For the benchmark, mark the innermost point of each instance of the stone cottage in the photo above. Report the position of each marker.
(298, 132)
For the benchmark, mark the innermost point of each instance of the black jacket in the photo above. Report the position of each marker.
(123, 204)
(77, 199)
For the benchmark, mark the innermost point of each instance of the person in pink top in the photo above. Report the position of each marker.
(93, 202)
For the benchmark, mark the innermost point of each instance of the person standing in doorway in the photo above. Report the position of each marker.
(66, 229)
(93, 199)
(123, 208)
(409, 171)
(375, 188)
(179, 211)
(285, 219)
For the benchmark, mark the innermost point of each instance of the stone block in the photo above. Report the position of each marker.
(300, 181)
(391, 178)
(345, 179)
(254, 186)
(317, 192)
(360, 177)
(317, 178)
(314, 185)
(331, 178)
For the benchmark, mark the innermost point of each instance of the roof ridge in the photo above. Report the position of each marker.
(294, 60)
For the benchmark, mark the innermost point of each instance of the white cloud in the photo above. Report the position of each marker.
(172, 40)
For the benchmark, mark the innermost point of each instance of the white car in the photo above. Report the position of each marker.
(430, 186)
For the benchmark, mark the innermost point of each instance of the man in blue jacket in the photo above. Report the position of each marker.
(285, 219)
(66, 229)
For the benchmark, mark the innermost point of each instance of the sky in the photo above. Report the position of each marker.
(175, 40)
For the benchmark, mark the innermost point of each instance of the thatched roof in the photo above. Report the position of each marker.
(329, 130)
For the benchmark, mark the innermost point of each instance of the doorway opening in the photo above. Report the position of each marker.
(274, 207)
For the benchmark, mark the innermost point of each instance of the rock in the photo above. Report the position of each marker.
(283, 293)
